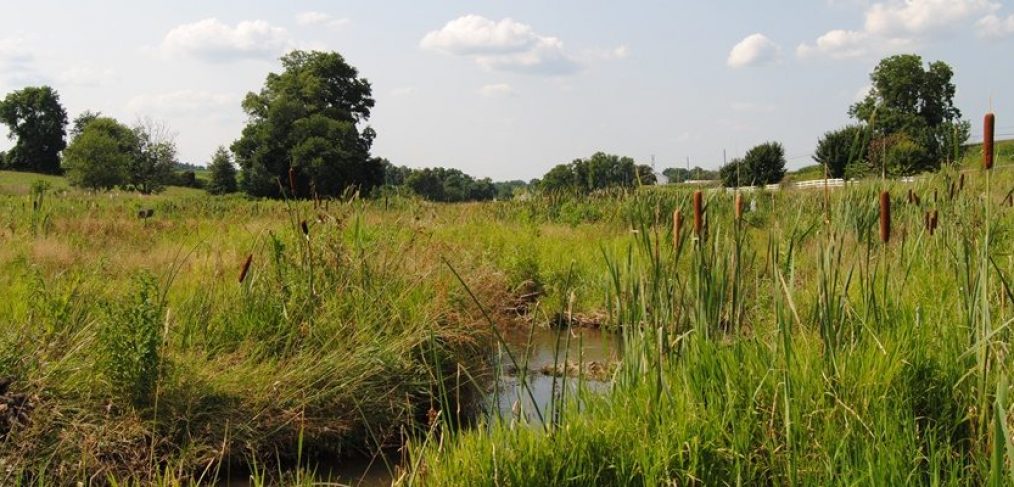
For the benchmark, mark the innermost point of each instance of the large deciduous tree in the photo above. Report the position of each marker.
(308, 119)
(912, 105)
(99, 156)
(38, 121)
(154, 157)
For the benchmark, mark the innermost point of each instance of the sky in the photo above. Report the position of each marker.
(509, 88)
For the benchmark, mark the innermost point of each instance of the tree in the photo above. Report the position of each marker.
(839, 148)
(908, 99)
(763, 164)
(154, 157)
(81, 120)
(307, 118)
(600, 171)
(223, 173)
(98, 157)
(35, 117)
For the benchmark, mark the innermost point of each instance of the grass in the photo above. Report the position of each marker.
(782, 349)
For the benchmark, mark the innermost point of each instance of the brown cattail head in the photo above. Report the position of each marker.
(677, 228)
(292, 180)
(926, 221)
(951, 192)
(698, 213)
(305, 228)
(911, 196)
(961, 182)
(246, 268)
(918, 200)
(933, 222)
(987, 140)
(885, 217)
(739, 206)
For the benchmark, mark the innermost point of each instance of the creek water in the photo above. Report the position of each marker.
(542, 350)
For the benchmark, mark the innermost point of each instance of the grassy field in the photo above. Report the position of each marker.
(789, 347)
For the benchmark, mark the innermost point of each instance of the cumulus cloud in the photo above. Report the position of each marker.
(498, 89)
(919, 17)
(995, 27)
(215, 41)
(321, 19)
(185, 102)
(895, 25)
(754, 50)
(504, 45)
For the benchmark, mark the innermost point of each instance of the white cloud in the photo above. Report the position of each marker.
(754, 50)
(505, 45)
(212, 40)
(918, 17)
(838, 44)
(895, 25)
(994, 27)
(498, 89)
(184, 102)
(320, 18)
(616, 53)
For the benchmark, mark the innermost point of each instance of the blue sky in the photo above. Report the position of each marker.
(509, 88)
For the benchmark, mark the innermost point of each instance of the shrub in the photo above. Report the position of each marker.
(130, 342)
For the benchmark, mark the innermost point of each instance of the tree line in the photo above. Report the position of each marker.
(307, 135)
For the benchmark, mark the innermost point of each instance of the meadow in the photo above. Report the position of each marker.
(790, 344)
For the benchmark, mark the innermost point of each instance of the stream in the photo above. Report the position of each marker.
(589, 350)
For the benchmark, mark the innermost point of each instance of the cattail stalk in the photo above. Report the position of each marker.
(698, 214)
(246, 268)
(885, 217)
(987, 140)
(677, 229)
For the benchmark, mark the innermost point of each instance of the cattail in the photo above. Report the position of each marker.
(918, 200)
(961, 182)
(911, 199)
(677, 229)
(951, 191)
(987, 140)
(739, 206)
(933, 222)
(292, 180)
(698, 213)
(246, 268)
(305, 228)
(885, 217)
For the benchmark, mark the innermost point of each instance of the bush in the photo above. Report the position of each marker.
(839, 148)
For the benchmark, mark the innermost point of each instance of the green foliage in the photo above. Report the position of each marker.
(441, 184)
(918, 103)
(600, 171)
(223, 173)
(99, 157)
(153, 161)
(130, 339)
(763, 164)
(679, 174)
(80, 121)
(839, 148)
(307, 118)
(36, 118)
